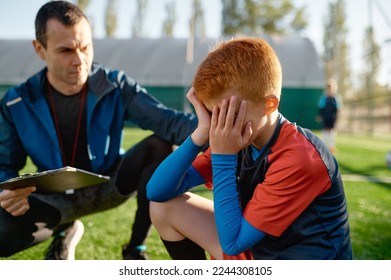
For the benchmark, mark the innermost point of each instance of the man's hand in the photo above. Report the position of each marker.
(200, 136)
(228, 131)
(16, 202)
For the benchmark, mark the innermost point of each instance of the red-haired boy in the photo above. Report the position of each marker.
(277, 191)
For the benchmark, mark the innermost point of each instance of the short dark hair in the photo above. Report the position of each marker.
(63, 11)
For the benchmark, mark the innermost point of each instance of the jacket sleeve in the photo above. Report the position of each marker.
(148, 113)
(12, 155)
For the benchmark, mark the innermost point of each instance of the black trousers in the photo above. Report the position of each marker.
(49, 212)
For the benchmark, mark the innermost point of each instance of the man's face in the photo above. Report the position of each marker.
(68, 55)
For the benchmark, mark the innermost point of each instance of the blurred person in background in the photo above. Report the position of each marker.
(329, 106)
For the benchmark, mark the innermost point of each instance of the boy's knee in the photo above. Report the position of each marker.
(159, 212)
(154, 209)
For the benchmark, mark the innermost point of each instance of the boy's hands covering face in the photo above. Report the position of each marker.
(228, 131)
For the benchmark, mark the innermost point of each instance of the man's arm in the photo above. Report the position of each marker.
(12, 155)
(148, 113)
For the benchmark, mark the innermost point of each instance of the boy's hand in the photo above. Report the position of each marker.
(200, 136)
(228, 132)
(15, 201)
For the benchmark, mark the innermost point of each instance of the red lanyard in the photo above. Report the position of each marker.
(56, 122)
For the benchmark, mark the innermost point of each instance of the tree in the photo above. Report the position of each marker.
(169, 22)
(196, 29)
(299, 22)
(110, 18)
(231, 18)
(372, 56)
(372, 63)
(197, 23)
(138, 20)
(83, 4)
(253, 17)
(336, 49)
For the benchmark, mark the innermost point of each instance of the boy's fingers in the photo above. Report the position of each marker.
(215, 117)
(190, 93)
(231, 112)
(223, 113)
(240, 116)
(191, 96)
(248, 131)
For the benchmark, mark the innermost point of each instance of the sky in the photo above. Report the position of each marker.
(17, 22)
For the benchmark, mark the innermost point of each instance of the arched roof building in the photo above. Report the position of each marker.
(162, 66)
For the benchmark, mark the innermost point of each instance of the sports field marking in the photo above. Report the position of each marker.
(359, 178)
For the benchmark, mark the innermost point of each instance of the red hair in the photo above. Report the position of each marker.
(246, 65)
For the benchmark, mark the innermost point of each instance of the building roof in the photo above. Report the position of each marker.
(162, 61)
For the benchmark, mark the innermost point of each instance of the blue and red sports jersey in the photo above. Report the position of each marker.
(293, 192)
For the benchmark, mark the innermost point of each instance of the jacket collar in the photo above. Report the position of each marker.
(98, 83)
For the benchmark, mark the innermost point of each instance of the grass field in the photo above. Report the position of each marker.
(368, 203)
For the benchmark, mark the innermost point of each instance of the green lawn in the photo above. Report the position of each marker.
(368, 203)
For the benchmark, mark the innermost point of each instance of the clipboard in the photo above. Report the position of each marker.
(56, 180)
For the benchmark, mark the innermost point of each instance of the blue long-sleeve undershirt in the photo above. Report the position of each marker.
(176, 175)
(235, 233)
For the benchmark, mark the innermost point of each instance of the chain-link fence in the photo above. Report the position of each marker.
(367, 115)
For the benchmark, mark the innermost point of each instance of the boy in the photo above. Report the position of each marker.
(277, 191)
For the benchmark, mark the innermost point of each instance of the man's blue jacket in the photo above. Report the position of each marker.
(27, 127)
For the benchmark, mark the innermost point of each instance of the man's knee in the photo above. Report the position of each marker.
(18, 233)
(158, 146)
(7, 238)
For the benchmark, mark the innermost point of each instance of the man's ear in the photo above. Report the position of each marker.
(39, 49)
(271, 104)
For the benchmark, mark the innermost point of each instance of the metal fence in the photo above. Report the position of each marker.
(367, 115)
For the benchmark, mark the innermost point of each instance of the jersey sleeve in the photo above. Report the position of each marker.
(203, 164)
(294, 179)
